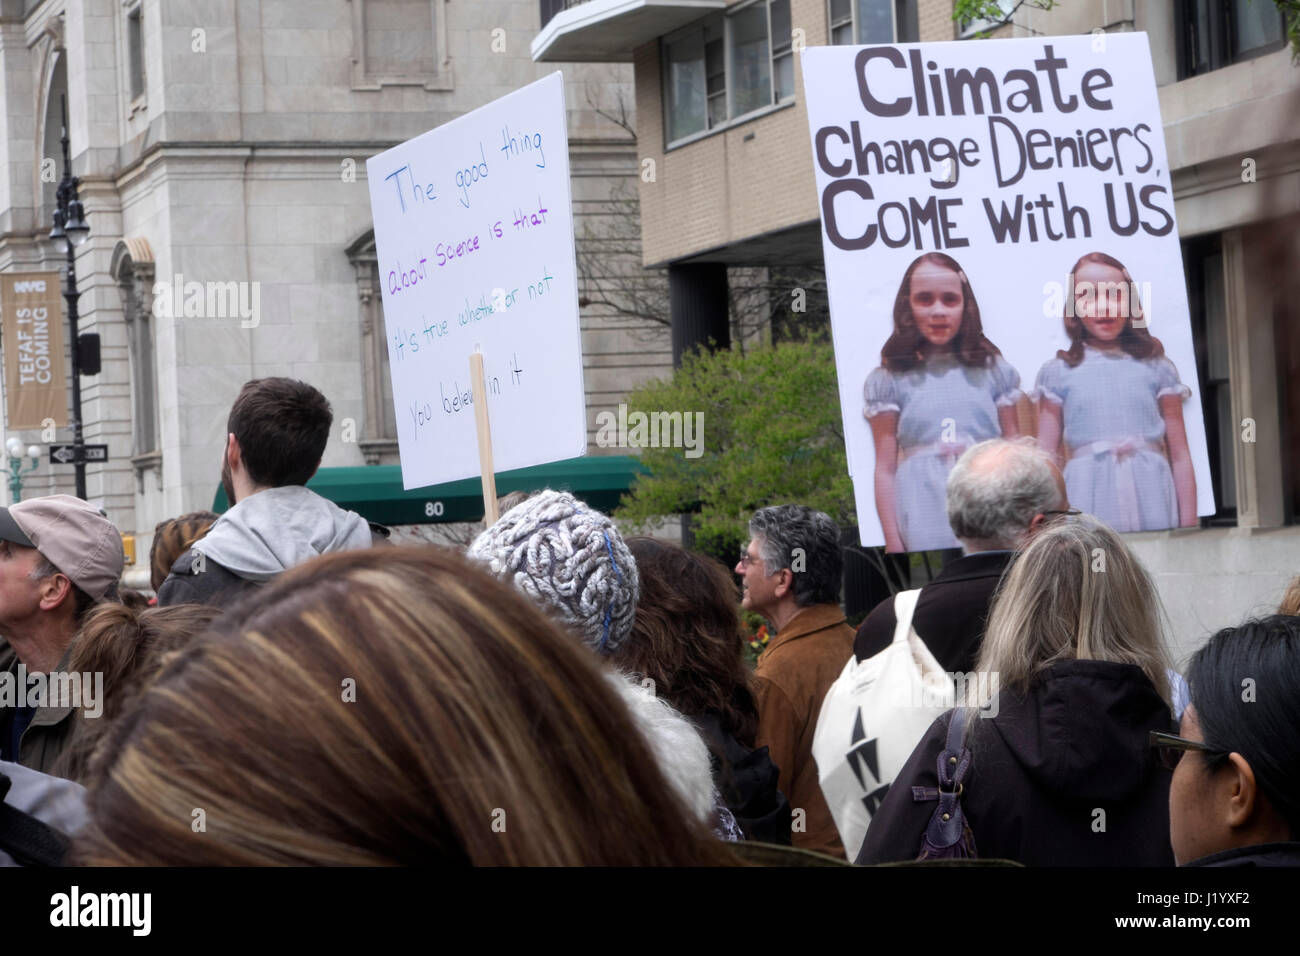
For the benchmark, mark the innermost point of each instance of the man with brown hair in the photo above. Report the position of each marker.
(59, 556)
(276, 435)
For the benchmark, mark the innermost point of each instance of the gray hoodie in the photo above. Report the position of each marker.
(271, 531)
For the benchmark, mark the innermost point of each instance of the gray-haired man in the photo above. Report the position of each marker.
(999, 493)
(790, 574)
(59, 556)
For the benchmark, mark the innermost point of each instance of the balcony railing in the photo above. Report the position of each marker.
(551, 7)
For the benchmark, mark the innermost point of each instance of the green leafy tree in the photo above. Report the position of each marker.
(772, 435)
(993, 14)
(1291, 10)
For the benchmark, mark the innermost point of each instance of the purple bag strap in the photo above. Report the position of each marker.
(946, 824)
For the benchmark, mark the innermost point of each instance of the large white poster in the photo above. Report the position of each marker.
(474, 237)
(1003, 260)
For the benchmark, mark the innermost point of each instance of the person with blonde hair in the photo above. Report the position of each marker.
(1071, 680)
(1290, 605)
(385, 706)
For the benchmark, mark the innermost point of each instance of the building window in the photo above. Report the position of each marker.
(1217, 33)
(379, 427)
(1207, 302)
(726, 67)
(132, 267)
(873, 21)
(782, 51)
(400, 43)
(749, 60)
(135, 51)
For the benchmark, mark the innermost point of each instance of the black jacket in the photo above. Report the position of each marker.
(217, 585)
(1264, 854)
(1063, 776)
(950, 612)
(747, 780)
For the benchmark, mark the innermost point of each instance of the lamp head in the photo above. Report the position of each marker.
(57, 235)
(76, 228)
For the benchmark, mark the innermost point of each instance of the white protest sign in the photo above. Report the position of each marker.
(1002, 259)
(474, 239)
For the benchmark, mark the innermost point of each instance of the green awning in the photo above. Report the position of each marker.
(375, 491)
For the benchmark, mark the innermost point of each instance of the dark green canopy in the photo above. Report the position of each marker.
(375, 491)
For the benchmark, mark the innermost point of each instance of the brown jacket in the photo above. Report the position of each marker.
(792, 677)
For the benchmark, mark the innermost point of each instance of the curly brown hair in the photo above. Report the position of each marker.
(687, 636)
(172, 538)
(904, 350)
(1137, 342)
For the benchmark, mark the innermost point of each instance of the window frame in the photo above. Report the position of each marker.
(832, 24)
(728, 90)
(1224, 29)
(855, 38)
(365, 79)
(1197, 253)
(785, 51)
(729, 18)
(135, 101)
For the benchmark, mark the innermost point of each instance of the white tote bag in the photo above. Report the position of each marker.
(871, 720)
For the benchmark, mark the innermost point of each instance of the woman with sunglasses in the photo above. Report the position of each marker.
(1235, 797)
(1060, 771)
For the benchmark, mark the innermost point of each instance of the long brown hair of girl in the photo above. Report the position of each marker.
(385, 706)
(1136, 341)
(687, 637)
(904, 350)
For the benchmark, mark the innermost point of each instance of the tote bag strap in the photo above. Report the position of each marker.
(904, 610)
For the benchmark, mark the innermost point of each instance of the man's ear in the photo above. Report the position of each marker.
(233, 455)
(1243, 804)
(54, 590)
(784, 582)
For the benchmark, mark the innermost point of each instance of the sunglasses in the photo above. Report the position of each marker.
(1170, 748)
(1071, 512)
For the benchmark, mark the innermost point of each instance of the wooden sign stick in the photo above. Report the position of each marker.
(490, 513)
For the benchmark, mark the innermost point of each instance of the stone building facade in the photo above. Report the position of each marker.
(221, 147)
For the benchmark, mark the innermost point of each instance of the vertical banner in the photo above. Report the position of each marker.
(36, 383)
(475, 245)
(1003, 260)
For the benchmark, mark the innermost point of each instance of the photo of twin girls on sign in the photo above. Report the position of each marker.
(1109, 406)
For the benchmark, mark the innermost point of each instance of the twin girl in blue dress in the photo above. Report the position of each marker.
(1109, 406)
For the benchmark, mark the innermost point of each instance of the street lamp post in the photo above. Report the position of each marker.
(69, 232)
(16, 470)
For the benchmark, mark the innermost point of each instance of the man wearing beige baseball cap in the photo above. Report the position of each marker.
(59, 556)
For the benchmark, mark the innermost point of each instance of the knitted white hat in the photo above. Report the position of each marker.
(571, 559)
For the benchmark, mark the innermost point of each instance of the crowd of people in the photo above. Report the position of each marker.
(303, 691)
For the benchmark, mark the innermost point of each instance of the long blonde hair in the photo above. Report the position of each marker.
(385, 706)
(1075, 593)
